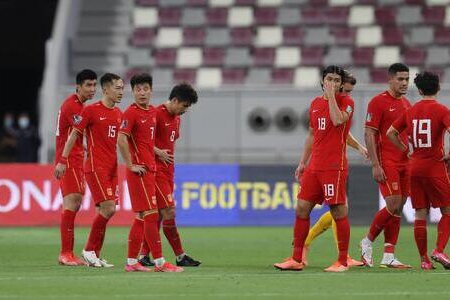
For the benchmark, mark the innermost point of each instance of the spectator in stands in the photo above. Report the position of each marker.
(28, 141)
(8, 140)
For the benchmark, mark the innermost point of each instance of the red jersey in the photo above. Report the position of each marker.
(426, 123)
(139, 125)
(329, 146)
(68, 116)
(382, 111)
(101, 124)
(167, 132)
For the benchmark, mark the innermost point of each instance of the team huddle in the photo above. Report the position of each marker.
(405, 145)
(146, 138)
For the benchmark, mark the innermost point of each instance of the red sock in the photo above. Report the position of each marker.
(420, 235)
(151, 234)
(301, 230)
(97, 234)
(171, 233)
(145, 250)
(443, 233)
(135, 238)
(378, 223)
(343, 236)
(391, 232)
(66, 229)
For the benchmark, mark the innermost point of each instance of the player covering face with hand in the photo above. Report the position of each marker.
(323, 168)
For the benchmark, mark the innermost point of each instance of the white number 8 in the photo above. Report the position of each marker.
(172, 136)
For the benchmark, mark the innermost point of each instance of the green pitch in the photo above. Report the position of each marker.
(237, 264)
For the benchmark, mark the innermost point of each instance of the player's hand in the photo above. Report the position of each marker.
(60, 169)
(299, 171)
(165, 156)
(138, 169)
(328, 89)
(378, 173)
(363, 151)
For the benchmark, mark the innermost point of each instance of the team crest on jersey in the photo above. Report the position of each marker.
(77, 119)
(124, 124)
(349, 109)
(369, 117)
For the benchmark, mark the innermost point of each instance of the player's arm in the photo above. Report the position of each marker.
(122, 142)
(337, 116)
(307, 149)
(164, 155)
(60, 168)
(370, 135)
(353, 142)
(394, 136)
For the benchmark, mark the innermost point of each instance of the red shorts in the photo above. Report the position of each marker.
(142, 191)
(324, 186)
(397, 181)
(103, 186)
(164, 192)
(72, 182)
(430, 191)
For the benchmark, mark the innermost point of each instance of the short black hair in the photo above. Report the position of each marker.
(349, 78)
(333, 69)
(428, 83)
(397, 67)
(85, 74)
(141, 79)
(108, 78)
(184, 92)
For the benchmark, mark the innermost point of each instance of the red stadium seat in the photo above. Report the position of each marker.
(187, 75)
(197, 2)
(379, 75)
(217, 16)
(434, 15)
(169, 16)
(343, 35)
(263, 56)
(213, 56)
(336, 15)
(363, 56)
(233, 76)
(165, 56)
(393, 35)
(265, 15)
(442, 36)
(245, 2)
(147, 2)
(143, 37)
(312, 16)
(293, 36)
(283, 76)
(385, 15)
(194, 36)
(242, 36)
(312, 56)
(414, 56)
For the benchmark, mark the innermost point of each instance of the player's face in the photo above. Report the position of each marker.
(398, 83)
(180, 107)
(87, 89)
(335, 80)
(348, 87)
(114, 90)
(142, 93)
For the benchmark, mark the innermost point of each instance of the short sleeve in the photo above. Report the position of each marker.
(128, 120)
(374, 114)
(84, 119)
(400, 124)
(348, 106)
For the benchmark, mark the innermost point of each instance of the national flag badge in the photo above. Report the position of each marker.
(369, 117)
(154, 200)
(349, 109)
(109, 191)
(395, 186)
(77, 119)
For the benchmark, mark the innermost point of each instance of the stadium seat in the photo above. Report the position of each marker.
(268, 36)
(185, 75)
(245, 2)
(306, 76)
(437, 2)
(173, 3)
(265, 16)
(237, 57)
(409, 15)
(312, 16)
(145, 17)
(385, 16)
(138, 57)
(209, 77)
(169, 37)
(147, 2)
(414, 56)
(422, 35)
(258, 76)
(263, 56)
(234, 76)
(117, 44)
(293, 36)
(447, 16)
(165, 57)
(434, 15)
(312, 56)
(343, 36)
(240, 17)
(203, 3)
(221, 3)
(378, 75)
(242, 36)
(338, 56)
(283, 76)
(217, 16)
(442, 36)
(361, 15)
(437, 56)
(288, 16)
(143, 37)
(213, 56)
(169, 16)
(217, 37)
(194, 36)
(363, 56)
(336, 16)
(386, 55)
(189, 57)
(362, 75)
(368, 36)
(287, 57)
(318, 36)
(193, 17)
(162, 76)
(393, 35)
(269, 2)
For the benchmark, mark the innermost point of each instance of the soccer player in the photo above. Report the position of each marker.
(168, 121)
(326, 220)
(324, 179)
(72, 183)
(426, 124)
(101, 122)
(389, 166)
(136, 142)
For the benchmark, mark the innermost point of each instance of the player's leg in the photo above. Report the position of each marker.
(322, 225)
(420, 237)
(135, 238)
(340, 216)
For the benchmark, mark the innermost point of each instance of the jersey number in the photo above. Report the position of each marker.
(152, 132)
(172, 136)
(329, 190)
(422, 127)
(111, 131)
(321, 123)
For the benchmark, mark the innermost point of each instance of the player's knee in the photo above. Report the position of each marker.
(445, 210)
(108, 210)
(303, 209)
(421, 214)
(72, 202)
(338, 211)
(168, 214)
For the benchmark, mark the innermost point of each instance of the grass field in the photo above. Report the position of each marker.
(237, 264)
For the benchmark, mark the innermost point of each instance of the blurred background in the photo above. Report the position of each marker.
(256, 65)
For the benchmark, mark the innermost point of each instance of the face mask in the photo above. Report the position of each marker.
(24, 122)
(8, 122)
